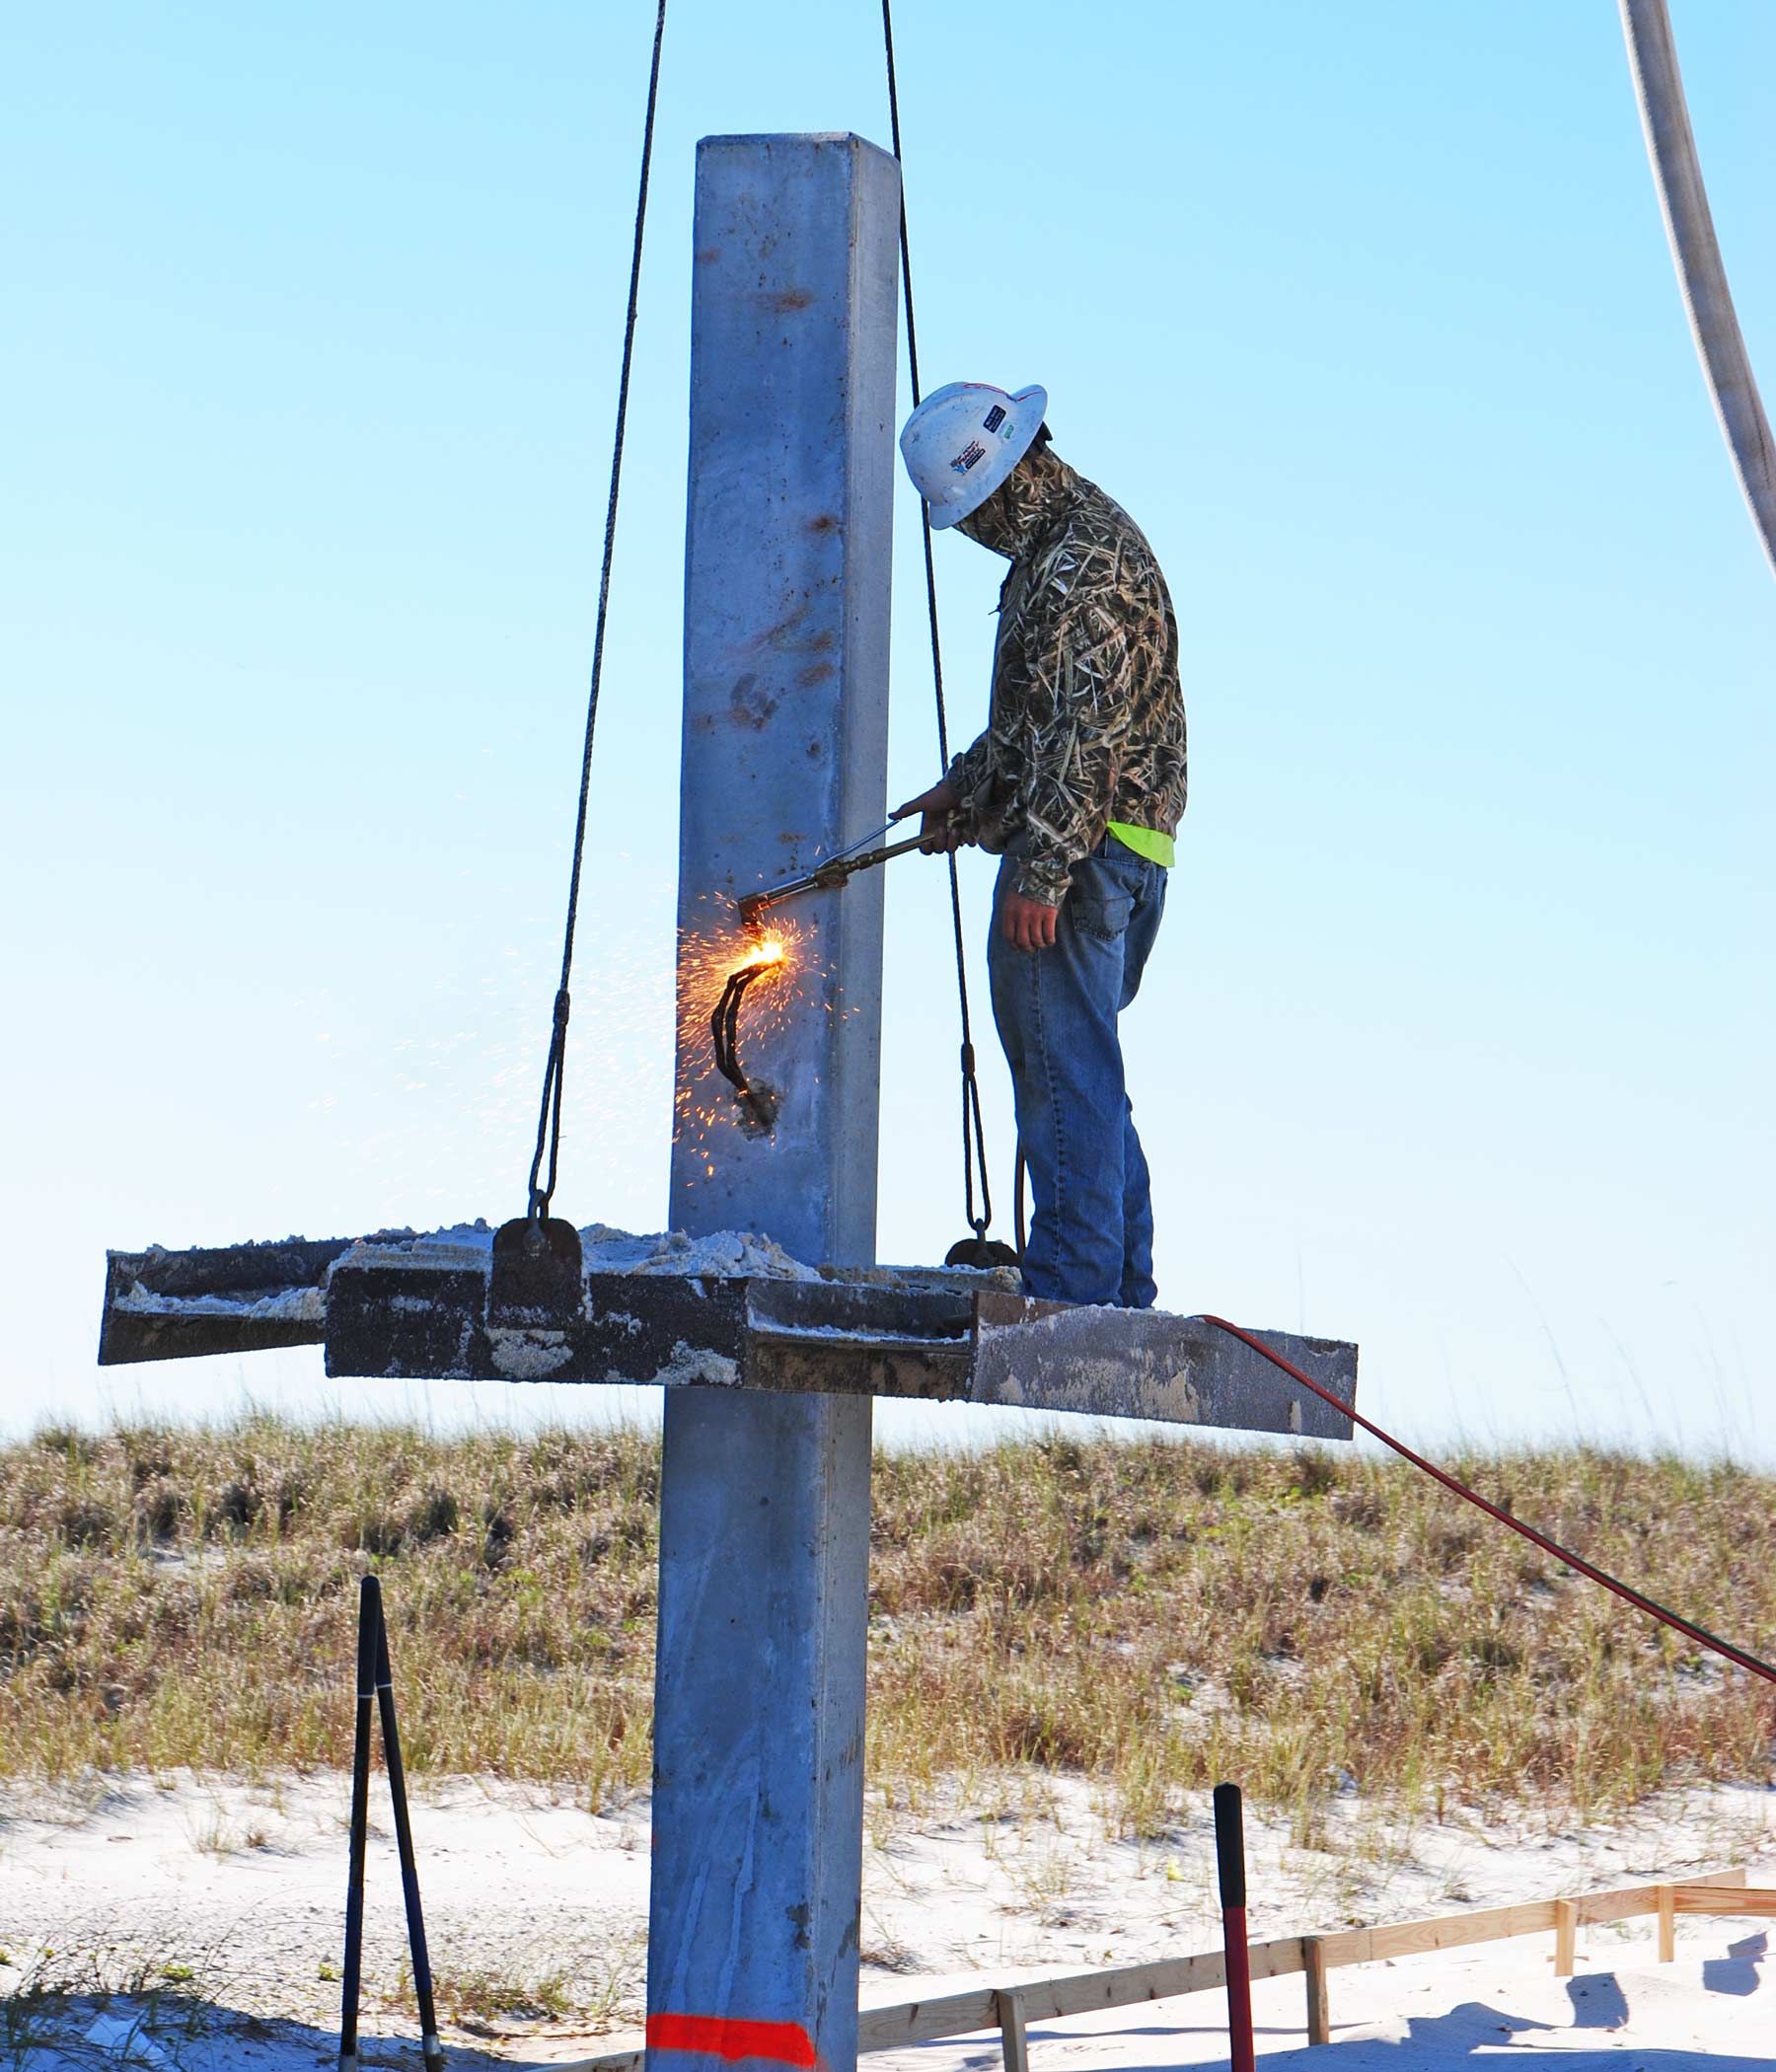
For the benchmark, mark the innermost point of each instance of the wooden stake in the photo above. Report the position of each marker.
(1667, 1923)
(1011, 2032)
(1566, 1937)
(1320, 2002)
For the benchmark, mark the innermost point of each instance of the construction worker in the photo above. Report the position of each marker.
(1078, 783)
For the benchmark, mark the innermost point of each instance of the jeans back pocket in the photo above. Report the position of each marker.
(1103, 915)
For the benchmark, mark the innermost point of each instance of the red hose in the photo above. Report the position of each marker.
(1626, 1592)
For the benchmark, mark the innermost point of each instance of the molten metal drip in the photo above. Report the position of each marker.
(757, 1101)
(724, 979)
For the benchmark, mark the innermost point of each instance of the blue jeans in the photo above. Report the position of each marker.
(1092, 1233)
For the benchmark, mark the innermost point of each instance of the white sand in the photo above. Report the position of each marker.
(242, 1886)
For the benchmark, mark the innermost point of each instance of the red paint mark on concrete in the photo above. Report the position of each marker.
(714, 2036)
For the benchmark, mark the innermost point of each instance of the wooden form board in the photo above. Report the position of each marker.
(1011, 2009)
(1363, 1945)
(1700, 1898)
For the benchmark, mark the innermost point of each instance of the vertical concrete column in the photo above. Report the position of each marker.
(753, 1937)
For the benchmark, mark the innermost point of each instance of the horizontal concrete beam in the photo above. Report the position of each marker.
(225, 1298)
(417, 1307)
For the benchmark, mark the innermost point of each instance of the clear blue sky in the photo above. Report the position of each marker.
(1457, 1042)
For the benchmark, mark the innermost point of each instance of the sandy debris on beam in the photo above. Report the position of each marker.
(722, 1255)
(719, 1255)
(289, 1305)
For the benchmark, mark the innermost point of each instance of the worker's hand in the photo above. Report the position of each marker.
(1029, 923)
(939, 831)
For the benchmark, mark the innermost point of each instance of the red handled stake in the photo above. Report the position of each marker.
(1229, 1857)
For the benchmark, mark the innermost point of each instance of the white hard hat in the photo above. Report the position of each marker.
(964, 440)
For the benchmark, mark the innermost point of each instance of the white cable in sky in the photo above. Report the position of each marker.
(1713, 323)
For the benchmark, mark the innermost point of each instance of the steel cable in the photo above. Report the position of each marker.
(974, 1128)
(549, 1119)
(1625, 1591)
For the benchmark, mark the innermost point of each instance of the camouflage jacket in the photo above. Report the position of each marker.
(1088, 717)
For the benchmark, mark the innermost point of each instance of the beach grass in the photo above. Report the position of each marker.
(1151, 1615)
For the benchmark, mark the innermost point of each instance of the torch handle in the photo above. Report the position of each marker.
(824, 877)
(894, 848)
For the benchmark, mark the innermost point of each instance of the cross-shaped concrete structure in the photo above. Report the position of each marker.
(753, 1949)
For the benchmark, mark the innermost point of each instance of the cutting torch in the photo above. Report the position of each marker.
(829, 876)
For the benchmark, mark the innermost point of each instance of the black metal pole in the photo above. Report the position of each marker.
(429, 2045)
(1229, 1855)
(369, 1627)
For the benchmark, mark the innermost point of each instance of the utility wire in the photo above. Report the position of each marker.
(1625, 1591)
(973, 1129)
(549, 1119)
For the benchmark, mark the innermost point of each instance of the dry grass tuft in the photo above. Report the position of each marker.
(1152, 1615)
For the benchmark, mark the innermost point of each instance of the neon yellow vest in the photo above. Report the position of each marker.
(1146, 841)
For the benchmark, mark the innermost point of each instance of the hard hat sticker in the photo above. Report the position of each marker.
(966, 459)
(995, 417)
